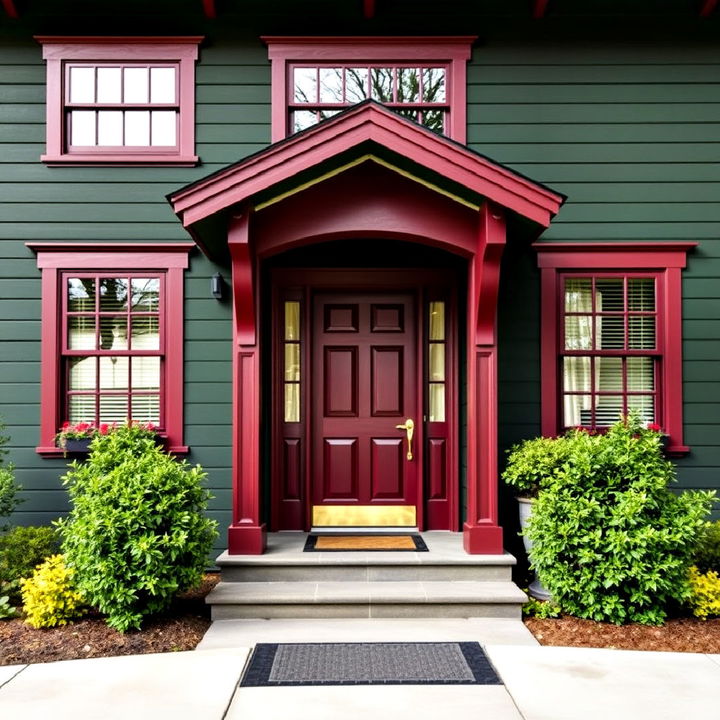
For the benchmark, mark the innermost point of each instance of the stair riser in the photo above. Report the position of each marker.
(359, 573)
(385, 610)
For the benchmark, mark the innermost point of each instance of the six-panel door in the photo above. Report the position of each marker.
(364, 384)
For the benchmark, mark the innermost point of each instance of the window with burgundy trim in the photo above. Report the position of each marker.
(609, 350)
(120, 100)
(418, 77)
(112, 337)
(612, 335)
(113, 347)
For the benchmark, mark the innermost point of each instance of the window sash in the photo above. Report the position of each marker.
(96, 395)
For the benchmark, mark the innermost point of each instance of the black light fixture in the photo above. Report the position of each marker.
(216, 286)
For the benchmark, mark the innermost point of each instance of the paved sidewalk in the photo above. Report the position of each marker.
(541, 683)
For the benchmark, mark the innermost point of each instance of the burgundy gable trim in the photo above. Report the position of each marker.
(53, 259)
(352, 130)
(666, 260)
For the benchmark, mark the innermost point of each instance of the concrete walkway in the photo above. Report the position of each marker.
(541, 683)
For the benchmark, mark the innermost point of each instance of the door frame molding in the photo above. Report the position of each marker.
(288, 284)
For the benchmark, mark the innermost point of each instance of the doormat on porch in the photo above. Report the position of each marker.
(407, 542)
(430, 663)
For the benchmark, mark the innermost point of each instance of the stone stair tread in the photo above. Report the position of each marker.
(363, 559)
(359, 592)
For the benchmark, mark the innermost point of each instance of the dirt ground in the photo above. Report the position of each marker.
(185, 623)
(181, 628)
(676, 635)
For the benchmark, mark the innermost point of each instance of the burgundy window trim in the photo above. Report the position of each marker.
(664, 261)
(451, 52)
(56, 260)
(179, 51)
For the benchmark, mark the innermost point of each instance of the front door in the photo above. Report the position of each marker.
(364, 469)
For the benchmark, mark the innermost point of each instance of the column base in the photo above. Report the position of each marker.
(247, 539)
(482, 539)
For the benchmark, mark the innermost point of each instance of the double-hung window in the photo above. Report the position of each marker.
(421, 78)
(609, 349)
(611, 335)
(112, 336)
(113, 347)
(120, 100)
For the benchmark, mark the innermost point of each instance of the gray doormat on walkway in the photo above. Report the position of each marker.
(431, 663)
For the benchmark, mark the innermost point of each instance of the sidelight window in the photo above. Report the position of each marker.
(436, 361)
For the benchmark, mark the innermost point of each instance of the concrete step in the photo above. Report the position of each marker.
(356, 599)
(364, 567)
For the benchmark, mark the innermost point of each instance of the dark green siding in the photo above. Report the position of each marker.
(622, 115)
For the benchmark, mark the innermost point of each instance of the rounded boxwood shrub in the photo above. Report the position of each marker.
(137, 533)
(611, 541)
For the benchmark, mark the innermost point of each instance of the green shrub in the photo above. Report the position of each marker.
(610, 541)
(542, 609)
(8, 487)
(6, 609)
(705, 593)
(707, 551)
(136, 534)
(532, 461)
(22, 549)
(49, 596)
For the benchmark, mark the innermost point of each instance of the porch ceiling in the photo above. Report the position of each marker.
(365, 132)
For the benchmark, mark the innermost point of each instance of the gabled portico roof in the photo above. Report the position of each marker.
(367, 131)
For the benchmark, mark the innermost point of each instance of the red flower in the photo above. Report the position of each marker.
(104, 428)
(654, 427)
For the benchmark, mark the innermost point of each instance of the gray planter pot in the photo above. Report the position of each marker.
(536, 589)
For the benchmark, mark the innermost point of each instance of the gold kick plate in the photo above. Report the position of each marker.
(364, 516)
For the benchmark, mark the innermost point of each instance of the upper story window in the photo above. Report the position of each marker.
(611, 335)
(419, 93)
(120, 100)
(421, 78)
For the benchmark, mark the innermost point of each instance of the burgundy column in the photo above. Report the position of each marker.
(246, 535)
(481, 532)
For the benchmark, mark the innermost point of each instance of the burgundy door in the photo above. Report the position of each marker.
(364, 384)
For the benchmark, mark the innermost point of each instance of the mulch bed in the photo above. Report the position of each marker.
(180, 628)
(676, 635)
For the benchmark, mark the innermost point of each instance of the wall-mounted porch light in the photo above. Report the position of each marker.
(216, 286)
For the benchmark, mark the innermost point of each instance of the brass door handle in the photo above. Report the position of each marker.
(409, 428)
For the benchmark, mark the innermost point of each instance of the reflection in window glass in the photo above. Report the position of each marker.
(606, 319)
(356, 85)
(305, 85)
(331, 85)
(81, 332)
